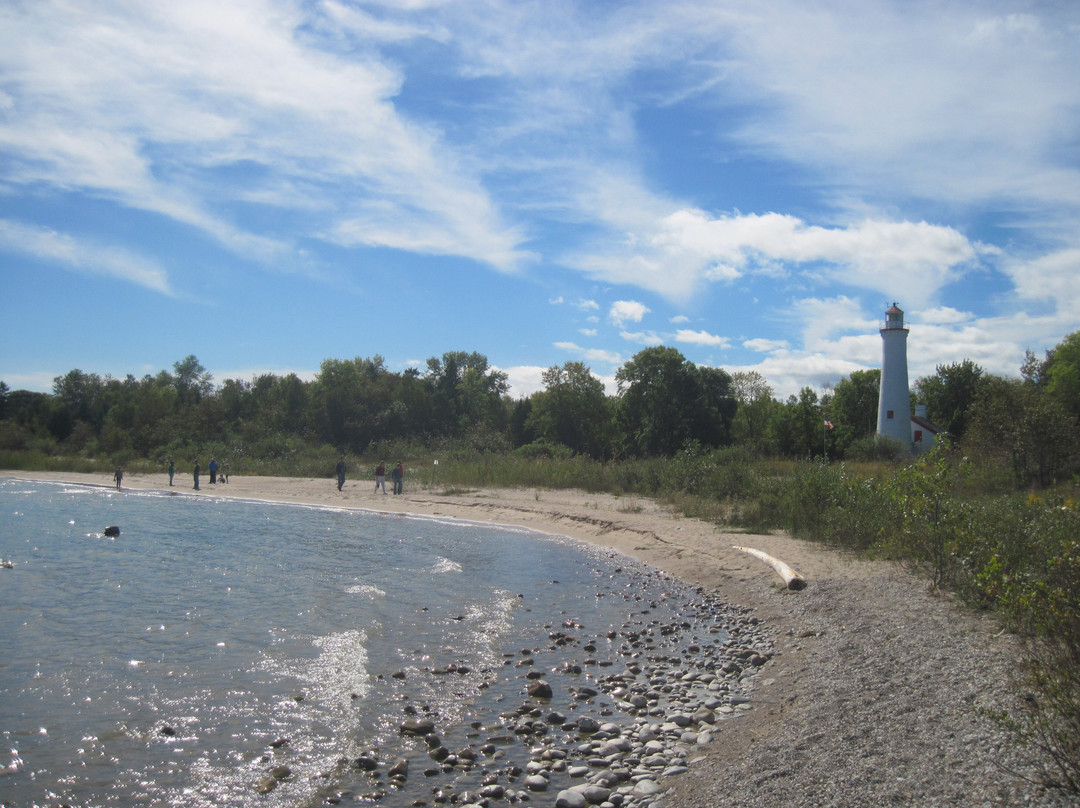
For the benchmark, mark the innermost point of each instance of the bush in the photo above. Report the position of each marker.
(1042, 598)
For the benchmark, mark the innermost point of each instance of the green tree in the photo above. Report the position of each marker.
(1034, 370)
(950, 393)
(572, 409)
(665, 401)
(353, 402)
(1063, 374)
(1025, 430)
(81, 394)
(755, 402)
(521, 431)
(852, 408)
(467, 392)
(192, 380)
(798, 427)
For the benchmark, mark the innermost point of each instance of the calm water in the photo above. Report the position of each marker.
(232, 624)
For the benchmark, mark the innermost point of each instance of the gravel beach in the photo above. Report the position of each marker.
(864, 688)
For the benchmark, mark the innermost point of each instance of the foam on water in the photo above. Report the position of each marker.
(445, 565)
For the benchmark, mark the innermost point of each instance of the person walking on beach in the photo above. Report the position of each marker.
(118, 475)
(172, 471)
(380, 477)
(212, 468)
(340, 472)
(197, 470)
(397, 476)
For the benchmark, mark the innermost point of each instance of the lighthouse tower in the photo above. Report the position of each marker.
(894, 399)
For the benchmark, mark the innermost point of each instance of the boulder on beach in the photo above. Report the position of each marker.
(570, 798)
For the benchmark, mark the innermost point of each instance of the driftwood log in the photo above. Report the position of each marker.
(792, 579)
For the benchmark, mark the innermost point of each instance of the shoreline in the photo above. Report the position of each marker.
(863, 651)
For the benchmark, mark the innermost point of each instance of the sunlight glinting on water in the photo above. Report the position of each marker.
(213, 641)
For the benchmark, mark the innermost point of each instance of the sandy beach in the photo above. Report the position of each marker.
(876, 690)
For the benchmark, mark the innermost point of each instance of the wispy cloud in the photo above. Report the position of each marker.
(591, 354)
(83, 255)
(765, 345)
(897, 104)
(649, 338)
(1053, 277)
(149, 104)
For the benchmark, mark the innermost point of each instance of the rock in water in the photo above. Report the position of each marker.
(540, 690)
(112, 530)
(417, 726)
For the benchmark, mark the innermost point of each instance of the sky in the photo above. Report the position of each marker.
(267, 184)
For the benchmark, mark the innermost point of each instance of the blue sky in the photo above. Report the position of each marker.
(270, 183)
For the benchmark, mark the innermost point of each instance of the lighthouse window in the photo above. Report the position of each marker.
(888, 414)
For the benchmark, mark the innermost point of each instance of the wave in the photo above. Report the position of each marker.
(445, 565)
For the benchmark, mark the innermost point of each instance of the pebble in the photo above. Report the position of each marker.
(603, 730)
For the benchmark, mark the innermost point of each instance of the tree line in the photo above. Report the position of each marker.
(663, 405)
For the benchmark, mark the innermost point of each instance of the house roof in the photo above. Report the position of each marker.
(924, 424)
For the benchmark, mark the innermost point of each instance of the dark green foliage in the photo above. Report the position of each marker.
(1017, 426)
(1063, 374)
(755, 408)
(665, 401)
(572, 410)
(852, 409)
(950, 394)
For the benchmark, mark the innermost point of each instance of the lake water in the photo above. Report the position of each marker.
(175, 663)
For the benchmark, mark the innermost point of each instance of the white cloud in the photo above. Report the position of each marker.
(821, 319)
(701, 338)
(591, 354)
(921, 101)
(943, 315)
(680, 318)
(650, 338)
(763, 345)
(37, 382)
(627, 311)
(83, 255)
(587, 332)
(524, 380)
(675, 252)
(1054, 277)
(146, 105)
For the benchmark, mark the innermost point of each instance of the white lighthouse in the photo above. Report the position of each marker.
(894, 399)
